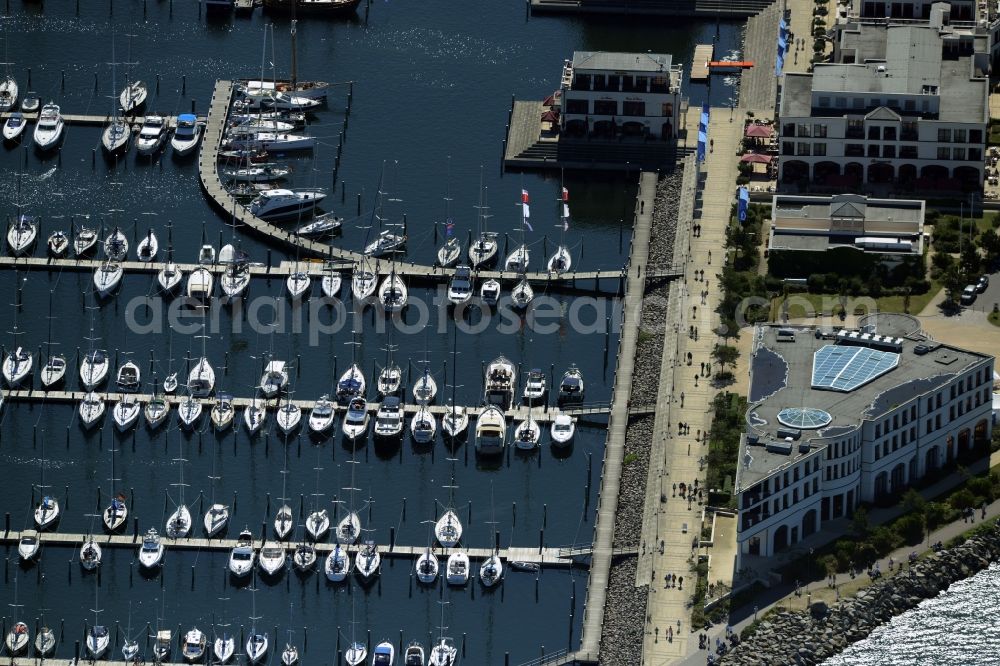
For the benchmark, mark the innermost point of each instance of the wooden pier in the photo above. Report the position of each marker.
(98, 120)
(540, 413)
(540, 555)
(699, 65)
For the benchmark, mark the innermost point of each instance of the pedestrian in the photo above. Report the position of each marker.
(642, 206)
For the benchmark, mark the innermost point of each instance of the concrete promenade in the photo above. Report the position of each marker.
(688, 398)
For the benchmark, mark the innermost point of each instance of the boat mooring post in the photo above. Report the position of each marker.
(541, 540)
(392, 537)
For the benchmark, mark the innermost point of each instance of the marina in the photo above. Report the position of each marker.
(395, 197)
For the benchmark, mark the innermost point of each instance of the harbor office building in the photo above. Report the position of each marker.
(903, 105)
(835, 419)
(609, 95)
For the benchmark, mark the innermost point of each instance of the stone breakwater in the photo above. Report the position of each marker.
(664, 229)
(624, 616)
(632, 491)
(810, 637)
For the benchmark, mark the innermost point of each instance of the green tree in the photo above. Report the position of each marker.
(725, 355)
(911, 528)
(913, 502)
(963, 499)
(859, 522)
(990, 244)
(970, 260)
(953, 283)
(936, 514)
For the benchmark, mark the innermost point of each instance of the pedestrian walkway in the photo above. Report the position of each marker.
(690, 395)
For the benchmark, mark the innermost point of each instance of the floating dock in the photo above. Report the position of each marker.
(78, 119)
(699, 65)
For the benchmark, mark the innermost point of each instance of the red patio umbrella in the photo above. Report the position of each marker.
(550, 117)
(759, 131)
(756, 158)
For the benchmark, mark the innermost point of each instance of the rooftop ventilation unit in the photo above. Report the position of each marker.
(804, 447)
(789, 433)
(784, 448)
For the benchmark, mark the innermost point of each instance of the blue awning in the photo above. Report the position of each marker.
(744, 203)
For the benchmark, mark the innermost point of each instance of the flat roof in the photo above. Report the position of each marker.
(781, 374)
(622, 62)
(818, 222)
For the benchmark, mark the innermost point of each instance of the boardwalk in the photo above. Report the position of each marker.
(79, 119)
(212, 184)
(539, 555)
(699, 65)
(593, 616)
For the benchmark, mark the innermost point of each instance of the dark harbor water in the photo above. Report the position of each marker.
(433, 85)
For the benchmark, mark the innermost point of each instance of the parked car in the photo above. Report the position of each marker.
(969, 294)
(982, 283)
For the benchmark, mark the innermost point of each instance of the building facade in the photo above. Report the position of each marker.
(620, 94)
(837, 419)
(904, 105)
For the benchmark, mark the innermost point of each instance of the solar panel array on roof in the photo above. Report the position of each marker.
(845, 368)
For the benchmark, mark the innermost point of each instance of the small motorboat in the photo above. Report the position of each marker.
(322, 415)
(389, 381)
(490, 292)
(491, 431)
(151, 551)
(152, 135)
(162, 643)
(179, 523)
(304, 557)
(318, 524)
(91, 410)
(526, 567)
(85, 241)
(356, 654)
(156, 412)
(18, 366)
(423, 426)
(14, 127)
(186, 135)
(126, 413)
(29, 545)
(348, 529)
(491, 570)
(98, 640)
(449, 253)
(460, 286)
(31, 102)
(22, 234)
(216, 519)
(281, 203)
(536, 385)
(255, 124)
(54, 370)
(272, 559)
(448, 529)
(389, 419)
(321, 226)
(284, 521)
(107, 277)
(338, 564)
(571, 388)
(562, 430)
(170, 383)
(298, 284)
(90, 555)
(47, 512)
(194, 646)
(58, 243)
(189, 412)
(384, 654)
(49, 130)
(386, 243)
(455, 421)
(414, 655)
(286, 102)
(427, 567)
(367, 561)
(129, 377)
(457, 571)
(199, 284)
(527, 434)
(522, 294)
(355, 423)
(500, 382)
(8, 91)
(206, 255)
(133, 96)
(223, 412)
(148, 247)
(115, 514)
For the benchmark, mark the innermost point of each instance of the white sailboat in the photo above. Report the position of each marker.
(527, 434)
(107, 277)
(426, 567)
(201, 379)
(17, 366)
(274, 379)
(331, 282)
(148, 247)
(393, 294)
(94, 367)
(254, 416)
(179, 522)
(368, 560)
(189, 412)
(156, 411)
(91, 410)
(217, 517)
(98, 639)
(223, 412)
(58, 243)
(356, 651)
(338, 564)
(47, 511)
(117, 134)
(491, 570)
(169, 277)
(483, 250)
(363, 282)
(423, 425)
(90, 554)
(126, 413)
(22, 234)
(256, 645)
(349, 527)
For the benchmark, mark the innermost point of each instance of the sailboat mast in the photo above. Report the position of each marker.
(294, 50)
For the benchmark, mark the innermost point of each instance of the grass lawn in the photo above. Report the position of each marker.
(827, 302)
